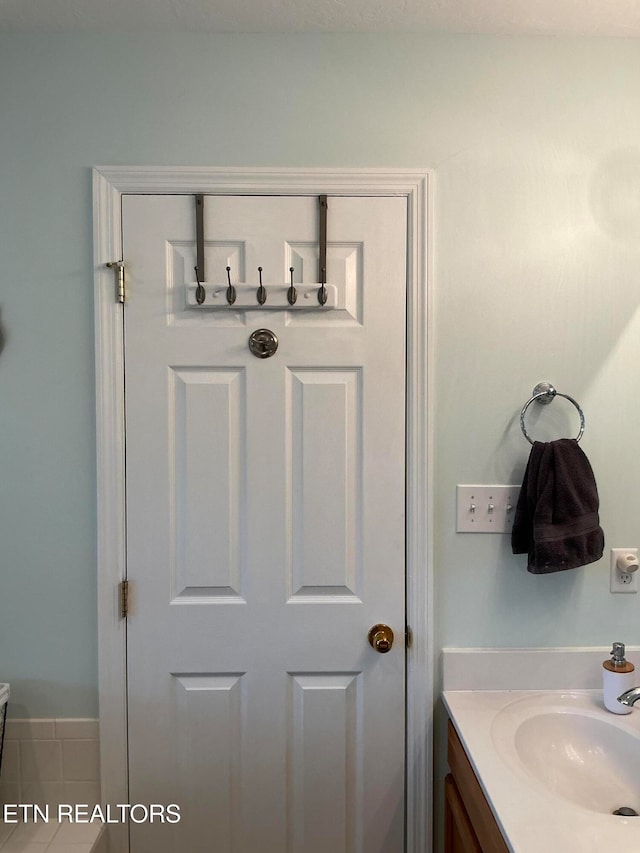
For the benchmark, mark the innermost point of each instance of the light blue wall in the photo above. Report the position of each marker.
(536, 150)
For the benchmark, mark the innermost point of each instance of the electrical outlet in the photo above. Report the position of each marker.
(486, 509)
(622, 581)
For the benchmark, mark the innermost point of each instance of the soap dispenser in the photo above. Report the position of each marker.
(617, 677)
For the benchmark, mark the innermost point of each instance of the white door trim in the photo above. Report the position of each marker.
(109, 183)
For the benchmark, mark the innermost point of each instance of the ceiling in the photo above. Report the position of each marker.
(502, 17)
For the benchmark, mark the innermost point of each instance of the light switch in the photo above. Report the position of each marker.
(486, 509)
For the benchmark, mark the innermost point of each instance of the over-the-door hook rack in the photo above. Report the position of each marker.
(544, 393)
(244, 296)
(278, 294)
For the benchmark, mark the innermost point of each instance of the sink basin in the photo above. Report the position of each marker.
(573, 749)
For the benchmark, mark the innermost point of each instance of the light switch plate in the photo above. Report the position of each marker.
(486, 509)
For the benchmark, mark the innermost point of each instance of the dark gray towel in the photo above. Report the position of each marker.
(556, 521)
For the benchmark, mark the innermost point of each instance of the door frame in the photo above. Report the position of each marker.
(109, 184)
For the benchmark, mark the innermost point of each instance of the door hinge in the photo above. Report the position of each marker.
(124, 598)
(118, 268)
(408, 637)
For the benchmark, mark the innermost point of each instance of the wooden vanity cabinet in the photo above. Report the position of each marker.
(470, 826)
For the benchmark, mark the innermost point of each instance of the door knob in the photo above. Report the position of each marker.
(381, 638)
(263, 343)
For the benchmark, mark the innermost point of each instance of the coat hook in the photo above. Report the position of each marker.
(231, 291)
(200, 293)
(322, 290)
(292, 293)
(261, 293)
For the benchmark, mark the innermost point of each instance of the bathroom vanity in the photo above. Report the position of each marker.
(540, 772)
(470, 826)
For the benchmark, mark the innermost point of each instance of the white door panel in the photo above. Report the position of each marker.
(265, 530)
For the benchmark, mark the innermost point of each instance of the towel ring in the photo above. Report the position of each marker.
(544, 393)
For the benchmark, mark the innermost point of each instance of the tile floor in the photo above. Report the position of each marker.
(49, 837)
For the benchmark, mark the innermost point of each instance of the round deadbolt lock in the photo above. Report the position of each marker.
(263, 343)
(381, 638)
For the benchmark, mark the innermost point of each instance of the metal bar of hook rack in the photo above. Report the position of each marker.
(322, 249)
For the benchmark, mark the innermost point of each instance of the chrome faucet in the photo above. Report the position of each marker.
(630, 697)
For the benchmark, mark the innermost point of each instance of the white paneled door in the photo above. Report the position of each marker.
(266, 528)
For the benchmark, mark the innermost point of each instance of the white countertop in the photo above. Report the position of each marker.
(532, 819)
